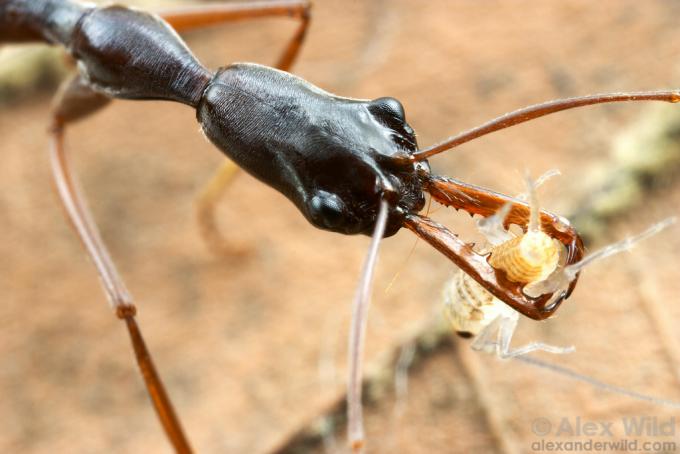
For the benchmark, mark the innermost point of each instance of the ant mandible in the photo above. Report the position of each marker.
(350, 166)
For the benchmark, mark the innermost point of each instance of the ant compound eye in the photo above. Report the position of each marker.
(389, 112)
(389, 107)
(327, 210)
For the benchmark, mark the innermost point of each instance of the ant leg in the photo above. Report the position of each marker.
(74, 101)
(539, 110)
(193, 17)
(206, 204)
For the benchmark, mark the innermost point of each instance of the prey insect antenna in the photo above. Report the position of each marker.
(624, 245)
(355, 424)
(539, 110)
(566, 372)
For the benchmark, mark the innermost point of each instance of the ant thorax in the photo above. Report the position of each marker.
(532, 259)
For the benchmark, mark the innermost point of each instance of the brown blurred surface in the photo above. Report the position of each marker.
(239, 341)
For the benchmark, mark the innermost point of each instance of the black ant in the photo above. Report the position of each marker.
(350, 166)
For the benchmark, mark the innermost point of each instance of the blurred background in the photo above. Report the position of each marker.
(253, 349)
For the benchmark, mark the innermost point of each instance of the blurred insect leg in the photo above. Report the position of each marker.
(486, 339)
(75, 101)
(505, 327)
(535, 346)
(193, 17)
(206, 204)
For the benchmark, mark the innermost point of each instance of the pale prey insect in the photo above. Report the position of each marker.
(532, 259)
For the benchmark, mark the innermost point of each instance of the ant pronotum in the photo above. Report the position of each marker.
(350, 166)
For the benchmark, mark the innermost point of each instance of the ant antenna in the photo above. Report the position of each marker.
(357, 335)
(539, 110)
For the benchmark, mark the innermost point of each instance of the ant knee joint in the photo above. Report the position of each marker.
(124, 311)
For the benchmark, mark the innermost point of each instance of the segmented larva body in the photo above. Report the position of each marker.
(535, 260)
(528, 258)
(525, 259)
(531, 257)
(469, 307)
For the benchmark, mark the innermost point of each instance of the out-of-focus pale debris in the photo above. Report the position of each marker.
(645, 156)
(27, 68)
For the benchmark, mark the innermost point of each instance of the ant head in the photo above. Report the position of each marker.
(336, 158)
(366, 157)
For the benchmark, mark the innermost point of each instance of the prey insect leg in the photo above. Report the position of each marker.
(194, 17)
(532, 258)
(504, 328)
(75, 101)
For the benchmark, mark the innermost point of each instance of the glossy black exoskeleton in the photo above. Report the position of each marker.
(339, 160)
(334, 157)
